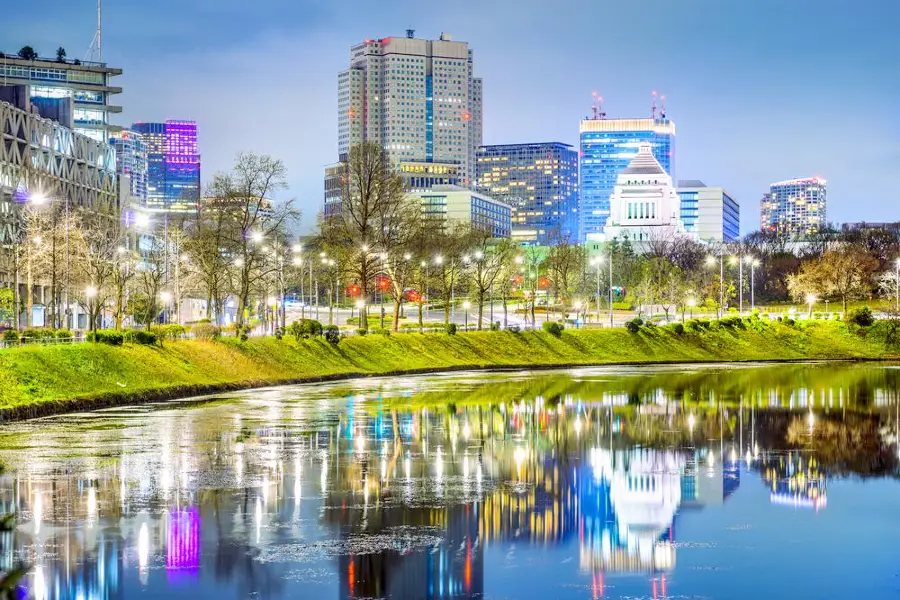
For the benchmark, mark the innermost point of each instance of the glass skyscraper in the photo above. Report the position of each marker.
(173, 165)
(607, 147)
(539, 181)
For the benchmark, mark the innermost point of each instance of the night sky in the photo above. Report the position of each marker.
(760, 90)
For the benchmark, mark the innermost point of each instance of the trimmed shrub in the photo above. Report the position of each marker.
(169, 332)
(451, 329)
(633, 326)
(861, 316)
(305, 328)
(495, 326)
(63, 334)
(650, 325)
(333, 335)
(553, 328)
(790, 322)
(10, 336)
(623, 305)
(381, 331)
(513, 329)
(206, 331)
(362, 331)
(732, 322)
(106, 336)
(678, 328)
(36, 333)
(140, 336)
(279, 333)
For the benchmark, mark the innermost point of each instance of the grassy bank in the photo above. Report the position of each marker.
(37, 380)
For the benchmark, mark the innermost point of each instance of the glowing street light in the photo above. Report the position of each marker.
(297, 248)
(691, 302)
(810, 300)
(38, 199)
(466, 306)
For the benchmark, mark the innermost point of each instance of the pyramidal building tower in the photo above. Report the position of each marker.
(644, 205)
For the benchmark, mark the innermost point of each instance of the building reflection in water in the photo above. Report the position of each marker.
(415, 497)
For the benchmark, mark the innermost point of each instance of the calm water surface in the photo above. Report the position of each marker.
(661, 482)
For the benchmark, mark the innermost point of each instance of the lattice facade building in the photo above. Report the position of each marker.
(39, 155)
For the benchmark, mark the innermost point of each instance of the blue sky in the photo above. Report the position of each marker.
(760, 90)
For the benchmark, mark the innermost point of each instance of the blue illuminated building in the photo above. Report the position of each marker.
(540, 182)
(173, 165)
(607, 147)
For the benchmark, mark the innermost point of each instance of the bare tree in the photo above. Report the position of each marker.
(252, 222)
(372, 203)
(488, 256)
(150, 279)
(565, 263)
(101, 238)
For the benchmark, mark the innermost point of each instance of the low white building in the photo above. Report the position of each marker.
(644, 205)
(450, 203)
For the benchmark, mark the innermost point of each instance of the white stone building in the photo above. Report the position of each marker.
(644, 204)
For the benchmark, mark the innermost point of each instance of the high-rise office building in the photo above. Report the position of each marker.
(794, 207)
(709, 212)
(131, 166)
(173, 165)
(88, 84)
(448, 204)
(419, 100)
(539, 181)
(607, 147)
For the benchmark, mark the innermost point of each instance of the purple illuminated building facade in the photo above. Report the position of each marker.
(173, 165)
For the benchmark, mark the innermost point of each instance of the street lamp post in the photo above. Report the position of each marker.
(166, 297)
(810, 300)
(610, 288)
(466, 306)
(753, 264)
(599, 262)
(691, 303)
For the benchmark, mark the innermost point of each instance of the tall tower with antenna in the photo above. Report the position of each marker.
(96, 47)
(607, 146)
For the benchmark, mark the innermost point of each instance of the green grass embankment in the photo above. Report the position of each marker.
(36, 380)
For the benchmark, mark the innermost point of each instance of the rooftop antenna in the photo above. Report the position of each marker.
(97, 42)
(653, 106)
(410, 33)
(597, 107)
(662, 107)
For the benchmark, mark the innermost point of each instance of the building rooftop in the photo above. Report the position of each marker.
(814, 180)
(85, 65)
(691, 183)
(644, 163)
(535, 144)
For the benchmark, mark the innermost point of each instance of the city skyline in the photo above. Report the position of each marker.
(733, 87)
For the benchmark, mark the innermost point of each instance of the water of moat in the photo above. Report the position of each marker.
(713, 481)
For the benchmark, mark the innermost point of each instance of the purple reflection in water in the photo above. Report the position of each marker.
(183, 540)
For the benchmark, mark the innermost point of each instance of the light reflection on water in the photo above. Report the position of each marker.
(595, 483)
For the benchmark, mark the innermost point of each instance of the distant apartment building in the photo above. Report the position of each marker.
(539, 181)
(794, 207)
(454, 204)
(607, 147)
(420, 101)
(709, 212)
(87, 84)
(173, 165)
(131, 166)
